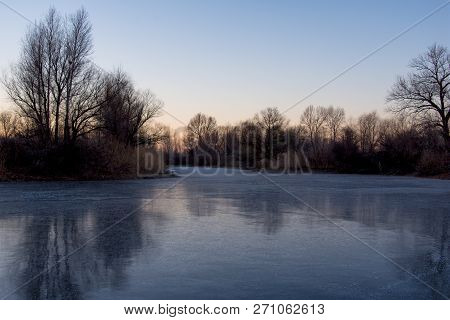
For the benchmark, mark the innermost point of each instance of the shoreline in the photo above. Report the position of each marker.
(441, 176)
(27, 178)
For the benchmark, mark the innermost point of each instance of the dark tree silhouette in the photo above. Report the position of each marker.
(56, 79)
(61, 95)
(273, 123)
(124, 110)
(201, 130)
(426, 90)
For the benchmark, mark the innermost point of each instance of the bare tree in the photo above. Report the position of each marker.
(334, 120)
(157, 134)
(271, 119)
(314, 120)
(8, 124)
(55, 71)
(86, 105)
(57, 61)
(124, 110)
(228, 136)
(250, 143)
(273, 123)
(200, 130)
(426, 90)
(368, 125)
(78, 48)
(28, 84)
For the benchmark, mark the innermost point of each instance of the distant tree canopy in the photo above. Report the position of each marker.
(323, 139)
(9, 124)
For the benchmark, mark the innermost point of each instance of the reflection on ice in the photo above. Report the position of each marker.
(225, 236)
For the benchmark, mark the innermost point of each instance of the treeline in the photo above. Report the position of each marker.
(71, 118)
(415, 139)
(323, 139)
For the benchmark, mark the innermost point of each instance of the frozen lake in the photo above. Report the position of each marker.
(226, 236)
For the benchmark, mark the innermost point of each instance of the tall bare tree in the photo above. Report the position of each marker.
(53, 76)
(426, 90)
(200, 131)
(273, 124)
(87, 104)
(28, 84)
(314, 120)
(57, 61)
(251, 139)
(334, 121)
(78, 48)
(368, 125)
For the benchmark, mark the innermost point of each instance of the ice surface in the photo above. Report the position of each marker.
(218, 234)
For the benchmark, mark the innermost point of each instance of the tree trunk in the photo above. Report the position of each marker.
(67, 115)
(446, 135)
(56, 125)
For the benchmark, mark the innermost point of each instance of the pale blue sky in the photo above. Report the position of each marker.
(231, 59)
